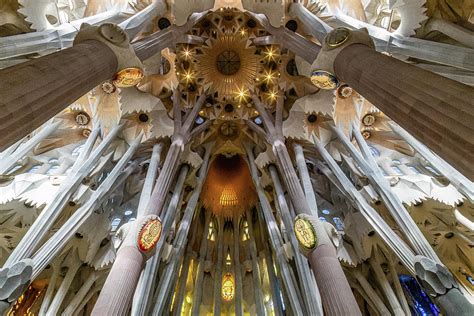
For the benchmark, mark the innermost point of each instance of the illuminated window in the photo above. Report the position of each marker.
(34, 169)
(374, 151)
(325, 212)
(228, 287)
(413, 168)
(212, 232)
(115, 223)
(76, 151)
(322, 219)
(245, 235)
(397, 170)
(339, 223)
(15, 168)
(228, 259)
(432, 170)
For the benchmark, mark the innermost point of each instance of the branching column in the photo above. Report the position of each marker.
(338, 297)
(130, 259)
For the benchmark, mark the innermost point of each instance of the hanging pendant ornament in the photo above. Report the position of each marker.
(305, 233)
(149, 235)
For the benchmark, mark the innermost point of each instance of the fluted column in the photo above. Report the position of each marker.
(435, 110)
(130, 267)
(218, 268)
(459, 181)
(371, 294)
(197, 294)
(385, 285)
(237, 268)
(33, 92)
(337, 297)
(144, 290)
(255, 269)
(305, 179)
(310, 290)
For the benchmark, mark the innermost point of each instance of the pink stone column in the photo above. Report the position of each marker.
(114, 300)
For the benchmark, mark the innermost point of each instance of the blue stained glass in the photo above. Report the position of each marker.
(419, 302)
(470, 279)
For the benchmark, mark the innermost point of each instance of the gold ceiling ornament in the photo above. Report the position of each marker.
(128, 77)
(324, 80)
(374, 126)
(305, 232)
(228, 190)
(149, 235)
(227, 65)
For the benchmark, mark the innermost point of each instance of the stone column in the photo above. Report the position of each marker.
(218, 267)
(338, 297)
(310, 291)
(432, 108)
(371, 294)
(237, 268)
(255, 269)
(110, 300)
(81, 168)
(54, 245)
(197, 294)
(33, 92)
(144, 290)
(459, 181)
(385, 285)
(438, 282)
(7, 162)
(305, 179)
(181, 289)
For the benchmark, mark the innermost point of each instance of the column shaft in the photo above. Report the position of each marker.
(337, 298)
(435, 110)
(33, 92)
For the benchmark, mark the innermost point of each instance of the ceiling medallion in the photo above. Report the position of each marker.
(366, 134)
(324, 80)
(82, 118)
(344, 91)
(338, 36)
(368, 120)
(108, 87)
(149, 235)
(305, 233)
(227, 64)
(128, 77)
(86, 132)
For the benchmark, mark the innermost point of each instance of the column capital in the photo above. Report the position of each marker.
(322, 70)
(14, 281)
(434, 277)
(129, 70)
